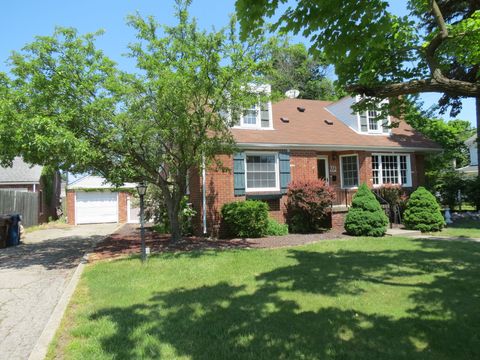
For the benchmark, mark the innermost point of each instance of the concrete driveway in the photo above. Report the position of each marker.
(33, 277)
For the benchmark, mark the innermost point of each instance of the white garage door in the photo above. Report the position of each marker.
(96, 207)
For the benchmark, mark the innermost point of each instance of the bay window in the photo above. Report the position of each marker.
(391, 169)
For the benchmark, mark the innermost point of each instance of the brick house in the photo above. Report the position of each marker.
(25, 177)
(309, 139)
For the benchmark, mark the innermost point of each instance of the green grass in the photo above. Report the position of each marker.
(391, 298)
(466, 228)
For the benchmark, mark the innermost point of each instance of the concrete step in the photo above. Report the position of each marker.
(403, 232)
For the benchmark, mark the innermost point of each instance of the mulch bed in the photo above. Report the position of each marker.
(127, 241)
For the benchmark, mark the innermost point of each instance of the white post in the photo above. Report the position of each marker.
(448, 216)
(204, 197)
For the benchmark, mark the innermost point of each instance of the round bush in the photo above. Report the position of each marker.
(366, 217)
(423, 212)
(276, 229)
(246, 218)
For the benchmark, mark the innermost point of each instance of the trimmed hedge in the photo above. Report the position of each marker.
(308, 205)
(423, 212)
(366, 217)
(276, 229)
(246, 218)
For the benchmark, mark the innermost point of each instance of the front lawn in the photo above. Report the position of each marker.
(389, 298)
(467, 228)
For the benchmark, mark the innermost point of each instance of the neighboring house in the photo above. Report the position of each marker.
(91, 199)
(472, 168)
(25, 177)
(297, 139)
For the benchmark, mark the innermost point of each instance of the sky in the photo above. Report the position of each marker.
(22, 20)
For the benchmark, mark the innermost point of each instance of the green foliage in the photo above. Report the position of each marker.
(365, 217)
(380, 54)
(68, 105)
(292, 67)
(155, 209)
(472, 191)
(423, 212)
(246, 219)
(447, 185)
(308, 203)
(274, 228)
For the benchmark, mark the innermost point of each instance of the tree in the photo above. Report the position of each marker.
(72, 108)
(292, 67)
(381, 55)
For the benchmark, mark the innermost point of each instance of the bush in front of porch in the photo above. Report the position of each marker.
(366, 217)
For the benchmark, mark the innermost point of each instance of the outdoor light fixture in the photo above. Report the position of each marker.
(142, 189)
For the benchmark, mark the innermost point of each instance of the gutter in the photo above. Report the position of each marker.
(335, 147)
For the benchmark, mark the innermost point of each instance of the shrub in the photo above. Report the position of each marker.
(396, 197)
(366, 217)
(246, 218)
(423, 212)
(308, 204)
(274, 228)
(447, 185)
(472, 191)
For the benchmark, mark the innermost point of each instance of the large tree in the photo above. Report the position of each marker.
(66, 104)
(292, 67)
(376, 53)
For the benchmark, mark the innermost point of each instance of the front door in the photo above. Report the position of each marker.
(322, 168)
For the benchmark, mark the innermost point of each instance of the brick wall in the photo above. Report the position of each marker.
(122, 207)
(70, 206)
(303, 165)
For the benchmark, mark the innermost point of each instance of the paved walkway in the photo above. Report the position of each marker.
(33, 277)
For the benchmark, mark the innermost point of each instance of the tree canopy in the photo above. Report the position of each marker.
(66, 104)
(292, 67)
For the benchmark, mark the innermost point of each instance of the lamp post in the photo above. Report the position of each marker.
(142, 189)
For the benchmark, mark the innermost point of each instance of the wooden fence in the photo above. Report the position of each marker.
(24, 203)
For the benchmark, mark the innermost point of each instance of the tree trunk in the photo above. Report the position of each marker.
(175, 228)
(477, 101)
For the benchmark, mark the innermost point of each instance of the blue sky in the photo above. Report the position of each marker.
(22, 20)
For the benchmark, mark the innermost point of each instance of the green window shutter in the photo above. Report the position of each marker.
(284, 165)
(239, 174)
(265, 115)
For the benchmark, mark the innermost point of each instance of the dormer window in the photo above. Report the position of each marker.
(370, 123)
(258, 116)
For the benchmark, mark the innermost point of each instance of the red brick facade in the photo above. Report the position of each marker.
(303, 165)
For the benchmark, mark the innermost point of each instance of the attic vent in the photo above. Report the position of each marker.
(301, 108)
(328, 122)
(285, 119)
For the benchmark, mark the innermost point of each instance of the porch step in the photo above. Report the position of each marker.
(402, 232)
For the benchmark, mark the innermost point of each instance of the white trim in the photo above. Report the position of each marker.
(330, 147)
(76, 212)
(277, 172)
(380, 176)
(341, 171)
(258, 124)
(327, 169)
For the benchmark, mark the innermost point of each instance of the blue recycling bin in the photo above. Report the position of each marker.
(13, 238)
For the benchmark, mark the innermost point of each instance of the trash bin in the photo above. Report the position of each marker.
(13, 238)
(4, 224)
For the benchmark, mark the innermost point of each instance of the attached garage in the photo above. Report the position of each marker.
(91, 200)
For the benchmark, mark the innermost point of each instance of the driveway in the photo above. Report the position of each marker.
(33, 277)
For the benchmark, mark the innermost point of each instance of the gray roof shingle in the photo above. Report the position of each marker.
(20, 173)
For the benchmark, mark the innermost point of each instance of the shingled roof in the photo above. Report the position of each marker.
(316, 127)
(20, 173)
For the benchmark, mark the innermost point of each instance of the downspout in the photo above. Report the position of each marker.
(204, 197)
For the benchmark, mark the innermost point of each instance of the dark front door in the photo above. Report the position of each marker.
(322, 169)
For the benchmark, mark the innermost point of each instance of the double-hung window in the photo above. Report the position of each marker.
(250, 117)
(262, 172)
(370, 122)
(391, 169)
(349, 168)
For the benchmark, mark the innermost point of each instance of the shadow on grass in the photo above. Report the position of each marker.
(226, 321)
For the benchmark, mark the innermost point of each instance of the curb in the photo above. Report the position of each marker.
(39, 351)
